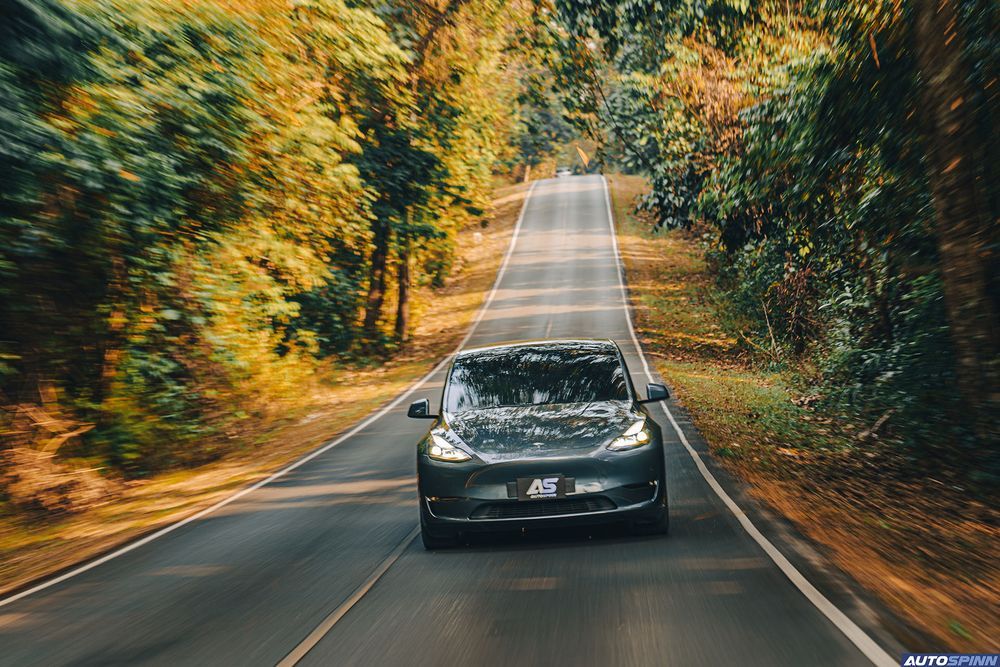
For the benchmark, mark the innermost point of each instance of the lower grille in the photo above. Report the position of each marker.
(539, 508)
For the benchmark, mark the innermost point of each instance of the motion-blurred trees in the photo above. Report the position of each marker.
(842, 157)
(201, 200)
(957, 115)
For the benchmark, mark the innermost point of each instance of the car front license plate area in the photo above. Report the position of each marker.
(541, 487)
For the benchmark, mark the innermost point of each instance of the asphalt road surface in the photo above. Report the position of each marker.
(267, 576)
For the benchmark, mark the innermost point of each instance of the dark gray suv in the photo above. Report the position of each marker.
(538, 433)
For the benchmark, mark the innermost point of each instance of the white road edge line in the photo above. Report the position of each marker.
(851, 630)
(317, 635)
(305, 459)
(321, 630)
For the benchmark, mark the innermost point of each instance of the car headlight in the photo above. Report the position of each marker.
(442, 450)
(637, 435)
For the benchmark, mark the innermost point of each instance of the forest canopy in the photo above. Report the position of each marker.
(207, 200)
(840, 161)
(201, 201)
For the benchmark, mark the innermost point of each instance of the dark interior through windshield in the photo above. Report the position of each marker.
(535, 375)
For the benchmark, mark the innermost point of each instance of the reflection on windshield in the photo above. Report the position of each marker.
(536, 375)
(539, 430)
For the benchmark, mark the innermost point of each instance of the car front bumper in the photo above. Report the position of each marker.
(474, 497)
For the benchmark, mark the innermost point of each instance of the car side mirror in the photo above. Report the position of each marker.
(420, 410)
(655, 392)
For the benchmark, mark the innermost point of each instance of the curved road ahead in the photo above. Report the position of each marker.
(249, 583)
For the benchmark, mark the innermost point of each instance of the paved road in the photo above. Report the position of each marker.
(247, 583)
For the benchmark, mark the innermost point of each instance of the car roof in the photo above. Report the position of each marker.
(559, 343)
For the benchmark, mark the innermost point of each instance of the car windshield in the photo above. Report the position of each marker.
(535, 375)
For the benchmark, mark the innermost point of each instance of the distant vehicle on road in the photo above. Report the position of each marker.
(539, 433)
(563, 171)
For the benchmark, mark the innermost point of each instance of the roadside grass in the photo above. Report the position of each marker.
(32, 546)
(921, 544)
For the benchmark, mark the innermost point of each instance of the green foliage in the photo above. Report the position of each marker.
(793, 137)
(194, 198)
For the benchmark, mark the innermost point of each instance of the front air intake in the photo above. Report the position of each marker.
(541, 508)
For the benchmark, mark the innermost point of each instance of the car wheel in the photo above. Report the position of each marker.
(658, 526)
(433, 541)
(439, 538)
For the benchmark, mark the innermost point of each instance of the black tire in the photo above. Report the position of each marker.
(435, 541)
(435, 538)
(661, 524)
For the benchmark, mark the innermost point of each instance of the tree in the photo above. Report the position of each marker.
(839, 157)
(965, 227)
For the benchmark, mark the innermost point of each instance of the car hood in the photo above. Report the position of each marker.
(542, 431)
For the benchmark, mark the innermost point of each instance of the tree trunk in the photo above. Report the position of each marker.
(963, 222)
(403, 303)
(376, 283)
